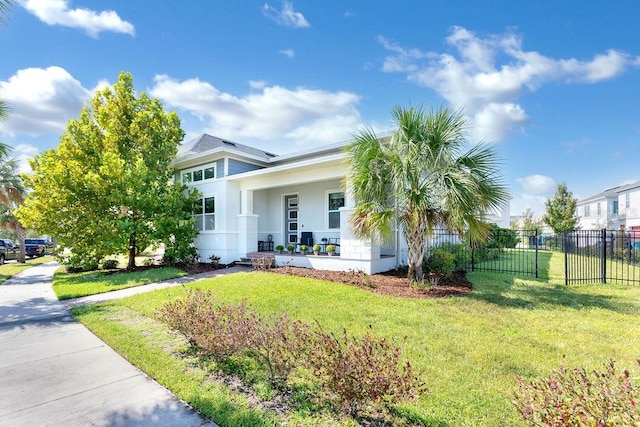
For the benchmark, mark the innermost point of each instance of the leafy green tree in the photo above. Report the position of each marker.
(108, 187)
(420, 178)
(561, 210)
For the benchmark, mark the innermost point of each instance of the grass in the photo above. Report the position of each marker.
(10, 269)
(468, 349)
(75, 285)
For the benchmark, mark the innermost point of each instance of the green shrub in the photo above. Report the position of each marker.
(317, 248)
(461, 253)
(439, 263)
(572, 397)
(110, 264)
(290, 247)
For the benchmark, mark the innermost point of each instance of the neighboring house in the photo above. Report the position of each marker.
(253, 200)
(615, 208)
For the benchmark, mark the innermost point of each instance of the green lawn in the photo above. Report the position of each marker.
(74, 285)
(12, 268)
(468, 349)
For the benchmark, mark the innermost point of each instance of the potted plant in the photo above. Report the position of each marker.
(316, 249)
(304, 249)
(331, 249)
(279, 248)
(290, 248)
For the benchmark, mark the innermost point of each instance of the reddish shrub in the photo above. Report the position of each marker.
(572, 397)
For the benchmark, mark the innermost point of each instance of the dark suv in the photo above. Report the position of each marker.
(36, 247)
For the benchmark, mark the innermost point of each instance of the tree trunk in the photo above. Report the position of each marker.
(132, 252)
(22, 232)
(415, 245)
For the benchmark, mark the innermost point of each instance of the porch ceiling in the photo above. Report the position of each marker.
(325, 168)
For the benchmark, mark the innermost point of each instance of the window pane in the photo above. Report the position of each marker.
(209, 205)
(209, 222)
(334, 219)
(198, 219)
(210, 173)
(293, 226)
(186, 177)
(197, 175)
(336, 201)
(293, 203)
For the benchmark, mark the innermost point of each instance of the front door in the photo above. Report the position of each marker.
(291, 219)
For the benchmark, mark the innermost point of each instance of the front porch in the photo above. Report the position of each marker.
(329, 262)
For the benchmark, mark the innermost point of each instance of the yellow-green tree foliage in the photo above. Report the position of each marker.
(108, 187)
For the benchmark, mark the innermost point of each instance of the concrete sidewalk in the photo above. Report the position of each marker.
(54, 371)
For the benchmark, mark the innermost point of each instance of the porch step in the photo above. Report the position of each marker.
(248, 261)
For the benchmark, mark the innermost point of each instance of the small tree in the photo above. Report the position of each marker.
(109, 187)
(530, 224)
(561, 211)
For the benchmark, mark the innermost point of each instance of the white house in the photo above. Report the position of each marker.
(254, 200)
(615, 208)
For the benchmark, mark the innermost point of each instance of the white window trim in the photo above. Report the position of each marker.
(326, 206)
(215, 213)
(202, 168)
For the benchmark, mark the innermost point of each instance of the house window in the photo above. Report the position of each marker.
(615, 207)
(598, 209)
(336, 201)
(199, 174)
(586, 211)
(204, 214)
(626, 200)
(210, 173)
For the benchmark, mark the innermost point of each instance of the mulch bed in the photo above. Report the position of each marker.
(391, 283)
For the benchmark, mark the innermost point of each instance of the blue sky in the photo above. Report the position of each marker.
(553, 85)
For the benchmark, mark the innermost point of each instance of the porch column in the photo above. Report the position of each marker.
(247, 225)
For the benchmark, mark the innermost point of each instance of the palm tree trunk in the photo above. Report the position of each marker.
(22, 232)
(415, 237)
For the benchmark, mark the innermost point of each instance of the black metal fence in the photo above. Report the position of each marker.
(590, 256)
(601, 256)
(506, 251)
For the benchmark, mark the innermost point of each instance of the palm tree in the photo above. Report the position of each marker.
(419, 178)
(12, 191)
(4, 8)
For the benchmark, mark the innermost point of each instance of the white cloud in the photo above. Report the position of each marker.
(496, 121)
(537, 185)
(57, 12)
(257, 84)
(289, 53)
(294, 118)
(23, 152)
(535, 191)
(488, 75)
(287, 16)
(42, 100)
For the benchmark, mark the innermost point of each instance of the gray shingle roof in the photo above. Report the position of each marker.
(206, 142)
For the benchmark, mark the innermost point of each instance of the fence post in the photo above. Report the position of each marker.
(566, 258)
(536, 253)
(603, 258)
